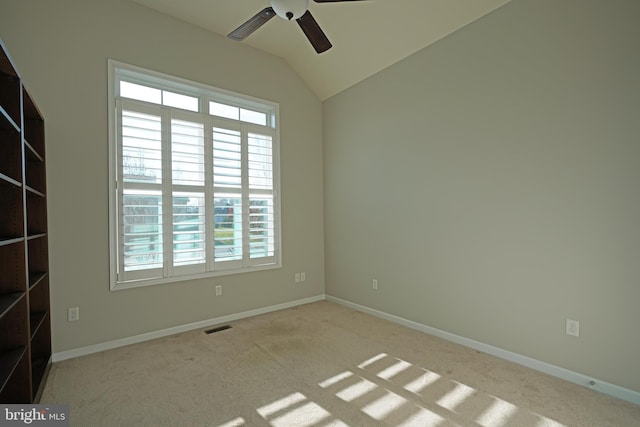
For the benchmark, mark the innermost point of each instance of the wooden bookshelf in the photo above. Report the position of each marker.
(25, 326)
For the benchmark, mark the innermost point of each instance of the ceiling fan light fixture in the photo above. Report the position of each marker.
(290, 9)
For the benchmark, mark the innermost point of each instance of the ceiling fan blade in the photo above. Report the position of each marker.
(244, 30)
(314, 33)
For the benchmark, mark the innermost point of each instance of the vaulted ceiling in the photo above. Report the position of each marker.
(367, 36)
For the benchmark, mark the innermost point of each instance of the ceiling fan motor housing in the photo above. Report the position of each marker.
(290, 9)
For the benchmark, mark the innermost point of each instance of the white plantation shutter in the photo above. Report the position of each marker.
(262, 232)
(261, 214)
(189, 234)
(194, 192)
(187, 153)
(227, 197)
(142, 229)
(227, 158)
(141, 235)
(141, 147)
(260, 162)
(188, 197)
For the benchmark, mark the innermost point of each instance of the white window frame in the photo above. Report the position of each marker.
(168, 273)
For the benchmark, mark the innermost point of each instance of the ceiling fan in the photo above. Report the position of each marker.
(289, 10)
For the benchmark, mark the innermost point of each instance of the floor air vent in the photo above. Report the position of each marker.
(218, 329)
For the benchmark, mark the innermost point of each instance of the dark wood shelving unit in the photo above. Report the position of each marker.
(25, 325)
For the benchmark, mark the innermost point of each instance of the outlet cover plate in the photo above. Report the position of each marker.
(573, 327)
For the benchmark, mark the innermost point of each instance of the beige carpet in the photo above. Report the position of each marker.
(318, 365)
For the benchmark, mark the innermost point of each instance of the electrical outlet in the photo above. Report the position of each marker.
(303, 276)
(297, 277)
(73, 314)
(573, 327)
(374, 284)
(218, 290)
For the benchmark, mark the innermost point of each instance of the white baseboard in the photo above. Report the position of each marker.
(565, 374)
(83, 351)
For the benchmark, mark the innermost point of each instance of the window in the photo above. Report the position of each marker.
(193, 180)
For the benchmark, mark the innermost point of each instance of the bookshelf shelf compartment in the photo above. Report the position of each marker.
(13, 325)
(36, 278)
(11, 211)
(36, 214)
(9, 361)
(11, 166)
(39, 296)
(25, 325)
(8, 301)
(12, 265)
(36, 319)
(14, 366)
(10, 98)
(38, 254)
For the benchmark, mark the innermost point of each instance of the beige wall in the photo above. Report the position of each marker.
(61, 49)
(491, 183)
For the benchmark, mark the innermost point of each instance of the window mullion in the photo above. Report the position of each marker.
(119, 192)
(244, 157)
(167, 194)
(209, 194)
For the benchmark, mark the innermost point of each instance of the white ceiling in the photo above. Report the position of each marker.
(367, 36)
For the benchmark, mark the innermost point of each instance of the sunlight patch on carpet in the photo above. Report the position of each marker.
(422, 382)
(547, 422)
(394, 369)
(371, 361)
(456, 396)
(279, 405)
(356, 390)
(381, 404)
(236, 422)
(306, 415)
(382, 407)
(297, 410)
(335, 379)
(423, 418)
(497, 414)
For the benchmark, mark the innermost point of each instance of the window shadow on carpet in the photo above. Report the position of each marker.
(388, 390)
